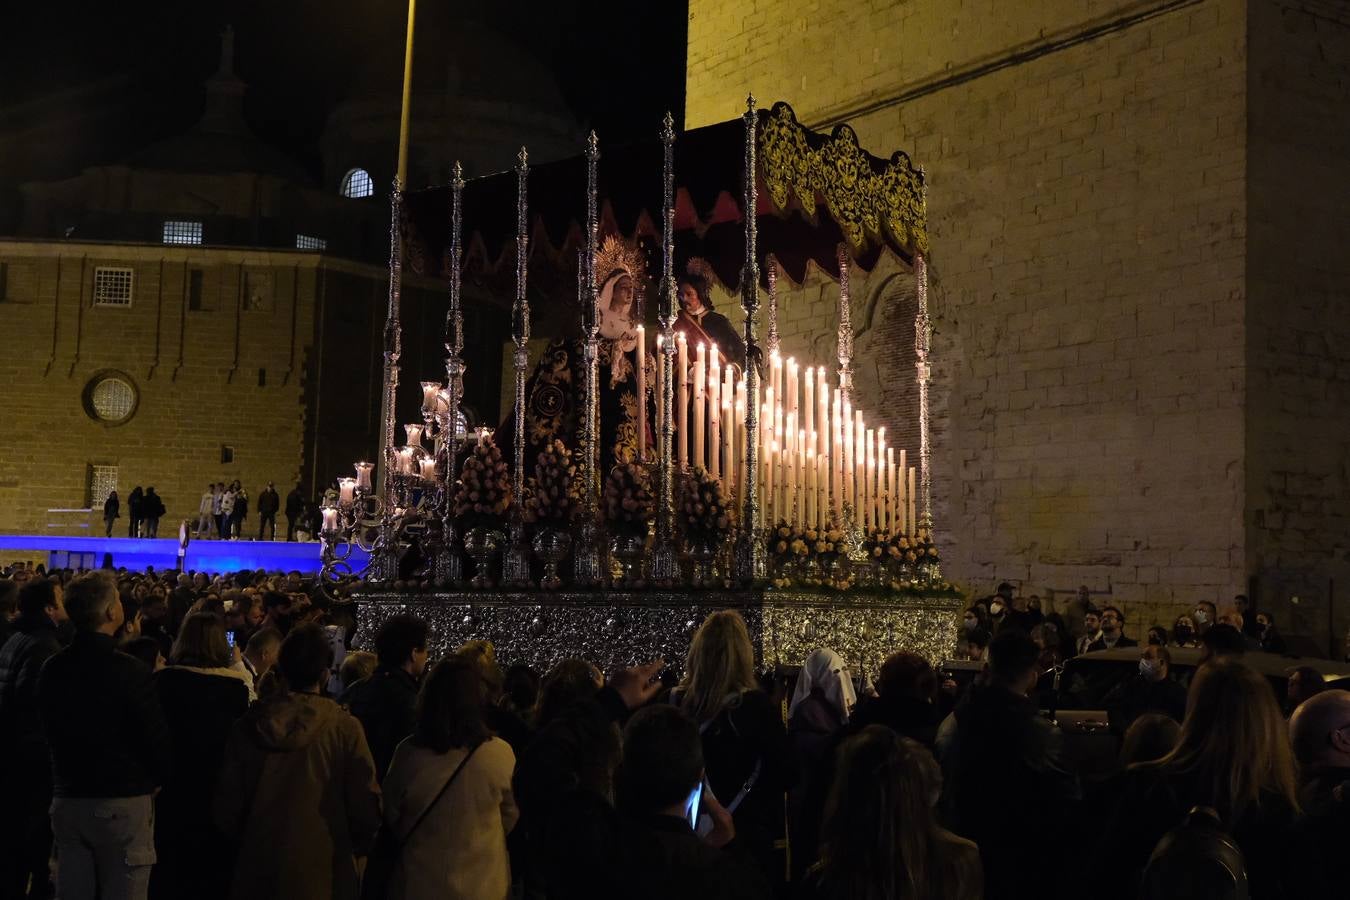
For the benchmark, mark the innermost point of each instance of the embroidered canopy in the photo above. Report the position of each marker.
(815, 192)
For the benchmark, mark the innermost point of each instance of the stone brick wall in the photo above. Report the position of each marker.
(221, 375)
(1298, 309)
(1088, 214)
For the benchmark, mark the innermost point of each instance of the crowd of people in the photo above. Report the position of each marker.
(222, 513)
(179, 735)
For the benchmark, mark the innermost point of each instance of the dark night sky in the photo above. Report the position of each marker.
(619, 65)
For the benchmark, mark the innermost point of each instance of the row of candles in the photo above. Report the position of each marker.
(816, 452)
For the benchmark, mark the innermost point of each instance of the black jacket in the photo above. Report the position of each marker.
(1153, 801)
(103, 721)
(1132, 698)
(201, 709)
(268, 503)
(112, 508)
(386, 705)
(668, 860)
(1006, 788)
(21, 660)
(295, 505)
(1318, 865)
(151, 506)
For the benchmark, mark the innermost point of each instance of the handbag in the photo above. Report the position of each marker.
(389, 846)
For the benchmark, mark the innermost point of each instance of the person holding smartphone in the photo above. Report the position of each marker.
(676, 827)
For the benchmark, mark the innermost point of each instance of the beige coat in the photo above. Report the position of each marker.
(459, 850)
(297, 790)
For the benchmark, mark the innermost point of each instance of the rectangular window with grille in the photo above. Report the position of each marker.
(113, 286)
(308, 242)
(182, 232)
(102, 482)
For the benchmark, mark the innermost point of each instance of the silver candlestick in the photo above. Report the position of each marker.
(516, 568)
(664, 561)
(750, 562)
(586, 567)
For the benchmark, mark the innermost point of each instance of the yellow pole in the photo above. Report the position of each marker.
(407, 98)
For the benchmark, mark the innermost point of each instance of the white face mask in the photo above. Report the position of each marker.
(1201, 617)
(995, 608)
(1149, 668)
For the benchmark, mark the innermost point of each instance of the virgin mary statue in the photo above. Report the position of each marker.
(555, 392)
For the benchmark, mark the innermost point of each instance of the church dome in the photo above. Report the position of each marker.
(477, 97)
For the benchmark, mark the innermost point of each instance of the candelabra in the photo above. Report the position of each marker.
(586, 568)
(664, 563)
(750, 563)
(449, 565)
(516, 569)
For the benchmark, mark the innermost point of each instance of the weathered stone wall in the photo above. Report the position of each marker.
(1088, 216)
(221, 375)
(1298, 310)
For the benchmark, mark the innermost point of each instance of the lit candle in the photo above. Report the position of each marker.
(482, 435)
(868, 517)
(404, 459)
(428, 465)
(346, 491)
(860, 465)
(799, 477)
(728, 441)
(893, 492)
(714, 414)
(913, 522)
(363, 470)
(823, 414)
(811, 482)
(849, 456)
(790, 394)
(640, 360)
(330, 518)
(905, 523)
(790, 467)
(660, 390)
(700, 405)
(414, 433)
(682, 399)
(429, 391)
(882, 495)
(809, 408)
(837, 456)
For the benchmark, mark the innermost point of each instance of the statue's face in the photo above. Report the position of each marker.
(622, 295)
(689, 299)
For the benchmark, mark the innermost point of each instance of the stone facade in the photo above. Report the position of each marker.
(1126, 393)
(273, 354)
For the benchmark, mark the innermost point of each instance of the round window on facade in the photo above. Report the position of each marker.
(110, 398)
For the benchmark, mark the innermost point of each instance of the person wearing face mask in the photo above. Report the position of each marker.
(1157, 636)
(1151, 691)
(1206, 615)
(1267, 634)
(1092, 631)
(1113, 631)
(1183, 632)
(999, 604)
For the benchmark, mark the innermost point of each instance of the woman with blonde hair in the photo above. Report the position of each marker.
(880, 839)
(1233, 756)
(745, 746)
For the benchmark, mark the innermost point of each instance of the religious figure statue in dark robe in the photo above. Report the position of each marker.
(555, 392)
(697, 319)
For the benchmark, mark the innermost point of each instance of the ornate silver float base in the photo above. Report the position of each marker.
(619, 628)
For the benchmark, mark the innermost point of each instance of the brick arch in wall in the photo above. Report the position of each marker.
(883, 358)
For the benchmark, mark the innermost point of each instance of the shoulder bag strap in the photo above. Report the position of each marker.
(439, 794)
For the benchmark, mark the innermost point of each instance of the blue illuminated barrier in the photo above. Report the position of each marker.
(162, 553)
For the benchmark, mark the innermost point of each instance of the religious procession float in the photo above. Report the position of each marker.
(646, 477)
